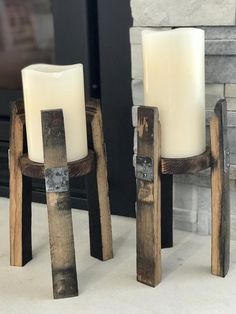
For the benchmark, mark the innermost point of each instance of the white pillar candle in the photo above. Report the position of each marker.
(48, 87)
(174, 81)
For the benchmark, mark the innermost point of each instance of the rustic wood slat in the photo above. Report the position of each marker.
(77, 168)
(98, 191)
(19, 107)
(20, 193)
(148, 199)
(59, 210)
(189, 165)
(220, 254)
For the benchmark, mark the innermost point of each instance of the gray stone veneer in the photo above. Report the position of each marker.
(217, 17)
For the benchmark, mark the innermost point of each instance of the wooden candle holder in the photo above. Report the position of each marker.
(149, 168)
(22, 170)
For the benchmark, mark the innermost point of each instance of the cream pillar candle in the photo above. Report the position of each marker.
(52, 87)
(174, 81)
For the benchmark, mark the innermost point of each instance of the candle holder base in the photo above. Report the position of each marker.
(22, 170)
(149, 174)
(189, 165)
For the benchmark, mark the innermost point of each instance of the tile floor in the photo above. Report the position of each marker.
(111, 287)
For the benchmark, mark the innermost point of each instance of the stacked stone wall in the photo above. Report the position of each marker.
(192, 198)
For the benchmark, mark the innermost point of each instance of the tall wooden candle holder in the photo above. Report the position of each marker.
(56, 172)
(149, 168)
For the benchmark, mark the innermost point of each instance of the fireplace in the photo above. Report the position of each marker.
(67, 32)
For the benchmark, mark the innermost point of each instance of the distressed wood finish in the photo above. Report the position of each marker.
(20, 193)
(189, 165)
(220, 191)
(148, 200)
(97, 183)
(98, 192)
(59, 210)
(77, 168)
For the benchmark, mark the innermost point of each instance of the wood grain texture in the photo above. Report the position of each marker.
(220, 255)
(148, 200)
(20, 193)
(98, 190)
(76, 168)
(59, 210)
(189, 165)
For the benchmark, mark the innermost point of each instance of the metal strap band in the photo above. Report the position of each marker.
(144, 168)
(226, 160)
(57, 180)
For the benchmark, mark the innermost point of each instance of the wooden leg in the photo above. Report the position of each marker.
(58, 201)
(220, 191)
(20, 196)
(148, 197)
(98, 191)
(166, 211)
(95, 223)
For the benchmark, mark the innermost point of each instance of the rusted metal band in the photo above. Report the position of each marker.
(144, 168)
(57, 180)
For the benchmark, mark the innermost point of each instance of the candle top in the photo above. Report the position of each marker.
(52, 68)
(154, 32)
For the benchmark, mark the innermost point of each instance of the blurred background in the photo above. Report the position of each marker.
(95, 33)
(26, 36)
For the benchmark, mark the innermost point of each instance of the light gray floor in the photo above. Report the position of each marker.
(111, 287)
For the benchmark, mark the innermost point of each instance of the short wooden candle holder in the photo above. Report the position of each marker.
(57, 172)
(150, 166)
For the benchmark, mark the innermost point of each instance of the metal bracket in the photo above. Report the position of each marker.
(226, 160)
(144, 168)
(57, 180)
